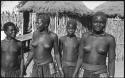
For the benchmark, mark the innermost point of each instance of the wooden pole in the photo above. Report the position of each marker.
(22, 58)
(55, 23)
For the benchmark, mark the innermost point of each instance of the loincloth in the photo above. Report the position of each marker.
(15, 73)
(45, 70)
(68, 68)
(94, 70)
(68, 71)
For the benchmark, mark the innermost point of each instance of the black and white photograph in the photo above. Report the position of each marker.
(62, 39)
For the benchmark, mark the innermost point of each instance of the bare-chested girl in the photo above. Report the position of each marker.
(43, 41)
(94, 48)
(10, 52)
(68, 47)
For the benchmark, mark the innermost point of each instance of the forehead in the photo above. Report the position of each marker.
(39, 19)
(71, 25)
(11, 27)
(99, 18)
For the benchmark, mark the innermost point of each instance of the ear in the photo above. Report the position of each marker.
(5, 32)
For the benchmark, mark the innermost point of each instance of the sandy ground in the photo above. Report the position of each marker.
(119, 69)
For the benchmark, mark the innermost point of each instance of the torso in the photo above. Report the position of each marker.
(10, 55)
(70, 49)
(42, 47)
(95, 49)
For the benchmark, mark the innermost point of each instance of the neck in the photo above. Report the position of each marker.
(98, 33)
(44, 31)
(9, 38)
(71, 35)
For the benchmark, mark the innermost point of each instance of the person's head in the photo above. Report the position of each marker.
(99, 21)
(71, 27)
(10, 29)
(42, 21)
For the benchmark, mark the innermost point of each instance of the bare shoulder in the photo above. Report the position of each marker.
(110, 38)
(53, 35)
(62, 38)
(35, 33)
(19, 43)
(2, 42)
(78, 38)
(85, 34)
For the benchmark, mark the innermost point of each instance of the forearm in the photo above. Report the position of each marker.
(21, 67)
(78, 65)
(58, 60)
(111, 68)
(30, 57)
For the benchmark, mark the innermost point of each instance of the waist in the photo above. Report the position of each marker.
(67, 63)
(42, 62)
(96, 68)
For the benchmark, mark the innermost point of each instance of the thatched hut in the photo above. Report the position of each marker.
(60, 12)
(112, 8)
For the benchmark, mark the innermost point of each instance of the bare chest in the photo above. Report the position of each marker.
(71, 43)
(96, 44)
(43, 40)
(10, 47)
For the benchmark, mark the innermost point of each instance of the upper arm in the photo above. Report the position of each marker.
(60, 45)
(32, 40)
(81, 52)
(112, 46)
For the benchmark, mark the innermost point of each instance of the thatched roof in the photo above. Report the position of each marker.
(54, 7)
(112, 8)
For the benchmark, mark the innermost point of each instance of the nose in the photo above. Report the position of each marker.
(13, 31)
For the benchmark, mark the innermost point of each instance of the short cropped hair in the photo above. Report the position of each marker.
(99, 13)
(7, 24)
(73, 22)
(44, 17)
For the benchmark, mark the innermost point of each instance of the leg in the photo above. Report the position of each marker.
(68, 71)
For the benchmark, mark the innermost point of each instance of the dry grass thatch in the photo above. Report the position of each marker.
(112, 8)
(54, 7)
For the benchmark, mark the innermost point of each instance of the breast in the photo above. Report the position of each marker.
(87, 49)
(101, 51)
(43, 41)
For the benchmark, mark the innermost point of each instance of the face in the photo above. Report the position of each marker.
(41, 25)
(11, 32)
(70, 29)
(98, 23)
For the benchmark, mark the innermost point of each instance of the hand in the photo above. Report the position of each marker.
(111, 77)
(61, 72)
(104, 75)
(24, 70)
(74, 75)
